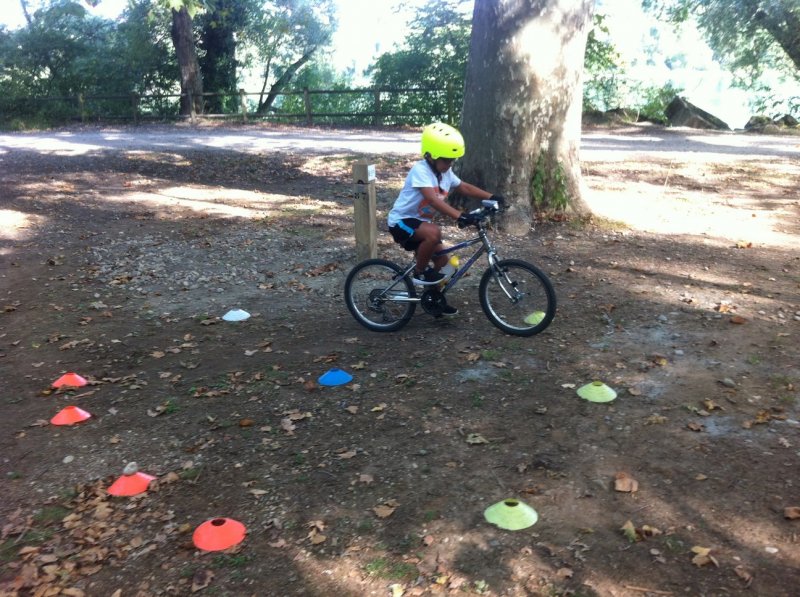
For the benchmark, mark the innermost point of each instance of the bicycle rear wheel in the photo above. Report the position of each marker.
(377, 295)
(517, 297)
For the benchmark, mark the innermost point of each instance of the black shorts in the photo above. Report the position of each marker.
(403, 231)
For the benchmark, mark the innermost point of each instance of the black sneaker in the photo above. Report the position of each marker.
(428, 277)
(449, 310)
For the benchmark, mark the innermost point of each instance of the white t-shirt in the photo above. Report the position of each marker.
(410, 203)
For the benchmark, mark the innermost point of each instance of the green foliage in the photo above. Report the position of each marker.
(751, 39)
(280, 38)
(549, 185)
(319, 75)
(434, 56)
(603, 86)
(64, 52)
(652, 101)
(218, 26)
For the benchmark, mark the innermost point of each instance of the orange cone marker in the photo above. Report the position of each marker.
(218, 534)
(69, 415)
(70, 380)
(132, 482)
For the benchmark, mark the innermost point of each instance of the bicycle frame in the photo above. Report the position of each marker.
(486, 247)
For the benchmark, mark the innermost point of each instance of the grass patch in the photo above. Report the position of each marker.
(8, 552)
(189, 474)
(390, 570)
(604, 224)
(50, 514)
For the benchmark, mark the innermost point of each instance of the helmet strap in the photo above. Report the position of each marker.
(432, 165)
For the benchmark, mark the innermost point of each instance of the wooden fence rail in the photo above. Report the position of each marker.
(375, 106)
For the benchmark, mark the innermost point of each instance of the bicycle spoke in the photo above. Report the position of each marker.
(517, 297)
(377, 297)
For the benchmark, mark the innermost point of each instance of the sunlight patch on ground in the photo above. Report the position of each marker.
(13, 224)
(655, 209)
(234, 203)
(173, 159)
(47, 144)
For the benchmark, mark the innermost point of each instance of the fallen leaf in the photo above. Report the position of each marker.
(738, 319)
(703, 557)
(347, 455)
(648, 531)
(744, 574)
(625, 483)
(386, 509)
(791, 512)
(630, 532)
(476, 438)
(365, 478)
(278, 544)
(201, 579)
(258, 492)
(246, 422)
(352, 409)
(655, 420)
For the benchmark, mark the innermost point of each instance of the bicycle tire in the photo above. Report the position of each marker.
(534, 305)
(372, 277)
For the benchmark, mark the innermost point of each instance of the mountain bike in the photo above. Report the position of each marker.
(515, 295)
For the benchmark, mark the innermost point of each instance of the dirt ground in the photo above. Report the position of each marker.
(683, 295)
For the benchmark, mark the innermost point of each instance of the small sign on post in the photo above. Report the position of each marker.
(364, 210)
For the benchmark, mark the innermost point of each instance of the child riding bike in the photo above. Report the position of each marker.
(424, 193)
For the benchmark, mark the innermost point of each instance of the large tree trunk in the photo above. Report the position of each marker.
(191, 81)
(218, 65)
(522, 104)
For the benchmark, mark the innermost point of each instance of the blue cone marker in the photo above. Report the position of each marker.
(335, 377)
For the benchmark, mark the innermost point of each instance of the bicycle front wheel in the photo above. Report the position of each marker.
(517, 297)
(378, 296)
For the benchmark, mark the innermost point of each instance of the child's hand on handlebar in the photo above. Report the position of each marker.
(467, 219)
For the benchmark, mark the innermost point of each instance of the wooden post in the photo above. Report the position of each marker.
(135, 107)
(243, 104)
(191, 106)
(364, 210)
(307, 104)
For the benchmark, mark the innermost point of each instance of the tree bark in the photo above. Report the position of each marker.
(522, 104)
(191, 80)
(284, 80)
(782, 22)
(24, 5)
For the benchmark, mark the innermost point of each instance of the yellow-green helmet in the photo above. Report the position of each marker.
(442, 141)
